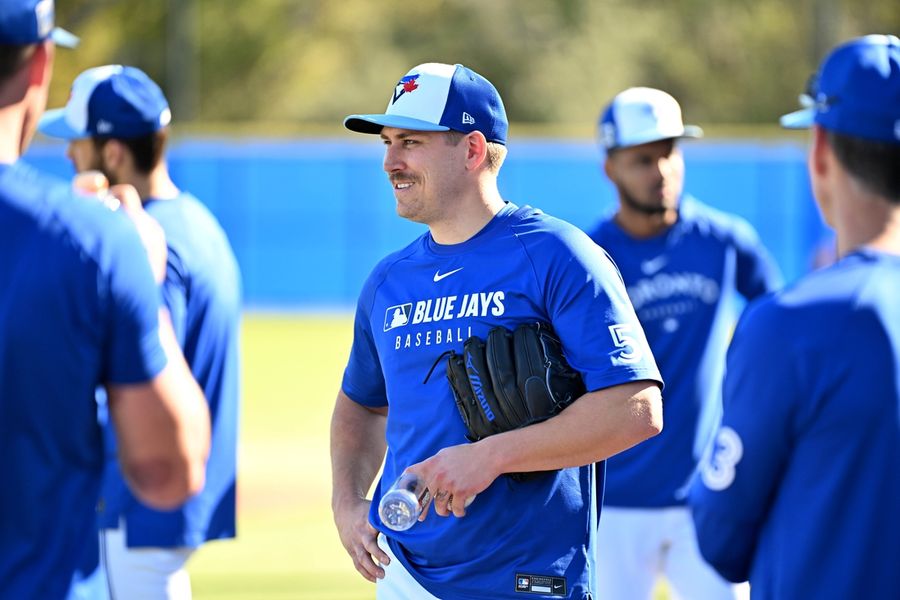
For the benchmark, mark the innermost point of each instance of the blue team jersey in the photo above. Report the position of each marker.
(78, 308)
(202, 293)
(685, 286)
(429, 298)
(802, 491)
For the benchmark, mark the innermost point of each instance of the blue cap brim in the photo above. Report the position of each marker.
(63, 38)
(53, 124)
(800, 119)
(374, 123)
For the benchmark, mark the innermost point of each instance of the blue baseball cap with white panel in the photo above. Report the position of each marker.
(109, 101)
(24, 22)
(440, 97)
(856, 92)
(641, 115)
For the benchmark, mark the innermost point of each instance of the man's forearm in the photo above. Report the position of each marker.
(595, 427)
(357, 449)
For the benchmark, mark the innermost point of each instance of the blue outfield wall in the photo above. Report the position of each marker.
(309, 219)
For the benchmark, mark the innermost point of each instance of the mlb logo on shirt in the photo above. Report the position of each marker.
(523, 583)
(397, 316)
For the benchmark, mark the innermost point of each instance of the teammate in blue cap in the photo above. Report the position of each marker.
(117, 122)
(685, 265)
(801, 493)
(483, 262)
(79, 308)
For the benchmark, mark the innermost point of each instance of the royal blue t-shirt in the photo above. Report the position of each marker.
(78, 308)
(202, 293)
(802, 491)
(429, 298)
(685, 285)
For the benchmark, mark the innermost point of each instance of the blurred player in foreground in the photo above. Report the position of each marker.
(801, 493)
(79, 308)
(684, 265)
(117, 122)
(483, 262)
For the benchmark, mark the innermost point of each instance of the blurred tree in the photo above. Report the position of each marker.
(298, 63)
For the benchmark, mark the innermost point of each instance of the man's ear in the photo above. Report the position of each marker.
(609, 168)
(113, 154)
(820, 153)
(476, 150)
(40, 64)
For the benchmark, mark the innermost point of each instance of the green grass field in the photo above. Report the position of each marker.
(287, 546)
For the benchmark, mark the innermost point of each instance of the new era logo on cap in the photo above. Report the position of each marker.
(440, 97)
(642, 115)
(113, 101)
(856, 91)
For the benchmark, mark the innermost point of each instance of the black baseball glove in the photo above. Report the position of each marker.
(511, 380)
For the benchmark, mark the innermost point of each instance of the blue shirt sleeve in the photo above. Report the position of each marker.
(134, 352)
(588, 306)
(757, 271)
(363, 380)
(739, 477)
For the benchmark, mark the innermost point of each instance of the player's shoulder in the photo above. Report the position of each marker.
(702, 219)
(830, 295)
(55, 210)
(189, 222)
(605, 230)
(533, 227)
(381, 269)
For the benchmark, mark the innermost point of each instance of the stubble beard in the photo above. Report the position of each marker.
(636, 205)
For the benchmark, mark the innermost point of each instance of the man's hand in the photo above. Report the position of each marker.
(360, 539)
(454, 476)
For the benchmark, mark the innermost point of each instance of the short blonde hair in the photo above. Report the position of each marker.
(496, 153)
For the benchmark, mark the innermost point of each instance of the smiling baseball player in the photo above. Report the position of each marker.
(484, 263)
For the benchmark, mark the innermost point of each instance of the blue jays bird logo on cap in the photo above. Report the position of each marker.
(407, 84)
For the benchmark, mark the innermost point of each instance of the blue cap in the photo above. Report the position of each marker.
(856, 91)
(109, 101)
(641, 115)
(24, 22)
(439, 97)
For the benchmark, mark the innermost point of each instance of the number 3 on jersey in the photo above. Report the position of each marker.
(718, 472)
(630, 346)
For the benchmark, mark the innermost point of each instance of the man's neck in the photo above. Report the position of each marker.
(464, 224)
(878, 229)
(11, 124)
(157, 185)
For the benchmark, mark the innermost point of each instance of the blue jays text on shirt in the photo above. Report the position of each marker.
(441, 309)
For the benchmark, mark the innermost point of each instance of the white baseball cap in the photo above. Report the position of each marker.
(440, 97)
(641, 115)
(112, 100)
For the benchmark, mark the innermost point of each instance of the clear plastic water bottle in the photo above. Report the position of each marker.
(402, 504)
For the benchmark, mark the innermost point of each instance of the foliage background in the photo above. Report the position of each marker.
(299, 66)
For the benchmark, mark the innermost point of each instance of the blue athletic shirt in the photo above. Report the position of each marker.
(78, 308)
(684, 284)
(202, 293)
(428, 298)
(802, 492)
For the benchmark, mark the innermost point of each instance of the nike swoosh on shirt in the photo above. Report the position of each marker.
(651, 266)
(438, 275)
